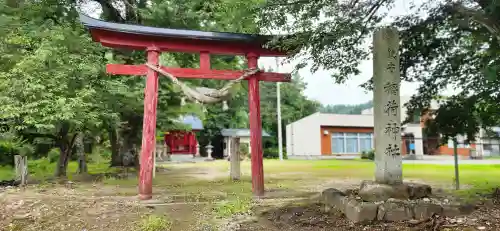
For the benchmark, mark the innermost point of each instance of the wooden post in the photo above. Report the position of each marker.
(235, 158)
(255, 129)
(387, 112)
(149, 128)
(21, 163)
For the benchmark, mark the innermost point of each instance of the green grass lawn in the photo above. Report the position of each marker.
(479, 176)
(469, 174)
(42, 169)
(476, 178)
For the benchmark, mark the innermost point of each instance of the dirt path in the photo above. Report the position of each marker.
(100, 206)
(60, 208)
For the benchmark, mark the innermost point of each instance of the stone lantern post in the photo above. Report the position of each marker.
(209, 148)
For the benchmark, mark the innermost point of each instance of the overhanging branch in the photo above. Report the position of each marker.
(478, 17)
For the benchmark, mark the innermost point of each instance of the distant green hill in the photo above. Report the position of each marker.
(354, 109)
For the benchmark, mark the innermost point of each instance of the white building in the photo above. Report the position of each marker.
(323, 134)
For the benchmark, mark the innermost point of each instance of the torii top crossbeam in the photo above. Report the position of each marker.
(136, 37)
(156, 40)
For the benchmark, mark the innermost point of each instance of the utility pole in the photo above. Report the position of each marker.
(278, 99)
(455, 154)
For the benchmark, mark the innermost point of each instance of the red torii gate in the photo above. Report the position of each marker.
(156, 40)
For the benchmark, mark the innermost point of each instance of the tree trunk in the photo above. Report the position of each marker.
(62, 163)
(82, 158)
(130, 140)
(116, 157)
(65, 146)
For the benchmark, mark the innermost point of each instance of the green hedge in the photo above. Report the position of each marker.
(370, 155)
(273, 153)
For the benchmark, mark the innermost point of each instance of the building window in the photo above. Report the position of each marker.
(338, 143)
(351, 142)
(365, 142)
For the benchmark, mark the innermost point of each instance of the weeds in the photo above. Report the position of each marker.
(234, 206)
(155, 223)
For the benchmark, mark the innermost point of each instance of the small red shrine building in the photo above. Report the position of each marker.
(184, 142)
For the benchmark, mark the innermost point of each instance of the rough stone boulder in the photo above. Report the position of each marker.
(395, 210)
(361, 212)
(333, 198)
(417, 191)
(426, 209)
(372, 191)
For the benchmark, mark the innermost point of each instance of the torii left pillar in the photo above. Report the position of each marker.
(149, 128)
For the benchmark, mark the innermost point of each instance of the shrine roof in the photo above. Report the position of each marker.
(93, 23)
(240, 133)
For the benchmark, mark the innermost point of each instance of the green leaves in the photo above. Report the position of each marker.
(53, 77)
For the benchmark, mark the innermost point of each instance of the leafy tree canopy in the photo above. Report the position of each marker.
(444, 44)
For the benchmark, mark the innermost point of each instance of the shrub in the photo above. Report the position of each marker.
(273, 153)
(99, 155)
(53, 155)
(10, 145)
(41, 168)
(370, 155)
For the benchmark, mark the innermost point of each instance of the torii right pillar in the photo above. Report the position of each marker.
(386, 100)
(255, 129)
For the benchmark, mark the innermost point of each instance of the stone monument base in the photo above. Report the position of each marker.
(373, 201)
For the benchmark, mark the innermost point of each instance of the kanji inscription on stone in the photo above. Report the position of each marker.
(392, 129)
(392, 150)
(391, 108)
(391, 88)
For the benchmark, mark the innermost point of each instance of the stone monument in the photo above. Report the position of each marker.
(387, 112)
